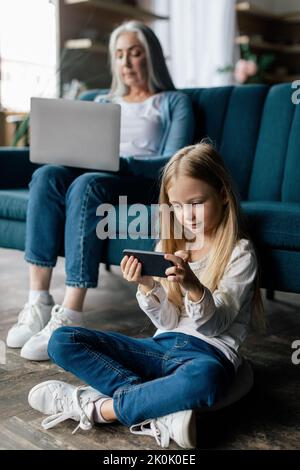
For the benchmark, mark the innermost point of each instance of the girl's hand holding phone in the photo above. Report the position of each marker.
(182, 273)
(131, 269)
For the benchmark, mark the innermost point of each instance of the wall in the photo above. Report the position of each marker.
(268, 5)
(284, 6)
(277, 6)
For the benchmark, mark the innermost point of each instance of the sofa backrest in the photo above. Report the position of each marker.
(276, 168)
(256, 128)
(230, 117)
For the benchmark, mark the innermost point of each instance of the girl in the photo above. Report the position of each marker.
(202, 310)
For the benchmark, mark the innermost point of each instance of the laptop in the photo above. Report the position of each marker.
(75, 133)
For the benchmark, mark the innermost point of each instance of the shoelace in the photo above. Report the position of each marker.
(157, 430)
(57, 319)
(77, 412)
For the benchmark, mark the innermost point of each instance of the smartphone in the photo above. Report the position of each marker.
(153, 262)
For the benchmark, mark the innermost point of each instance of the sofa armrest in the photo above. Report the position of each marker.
(15, 167)
(150, 167)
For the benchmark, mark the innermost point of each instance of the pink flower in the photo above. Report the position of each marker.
(251, 67)
(244, 69)
(241, 71)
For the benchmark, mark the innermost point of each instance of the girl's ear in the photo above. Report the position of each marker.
(223, 195)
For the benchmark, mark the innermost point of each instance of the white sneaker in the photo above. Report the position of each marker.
(36, 347)
(32, 319)
(64, 401)
(179, 426)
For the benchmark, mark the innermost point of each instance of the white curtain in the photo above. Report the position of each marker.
(198, 39)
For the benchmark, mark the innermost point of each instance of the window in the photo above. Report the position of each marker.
(27, 52)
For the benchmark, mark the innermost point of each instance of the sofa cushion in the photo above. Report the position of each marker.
(12, 234)
(230, 117)
(270, 156)
(138, 219)
(275, 224)
(290, 191)
(13, 204)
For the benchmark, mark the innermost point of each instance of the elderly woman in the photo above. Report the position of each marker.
(156, 121)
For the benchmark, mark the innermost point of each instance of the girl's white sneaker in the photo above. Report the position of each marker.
(179, 426)
(64, 401)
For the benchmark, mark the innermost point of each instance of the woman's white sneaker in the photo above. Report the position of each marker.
(32, 319)
(64, 401)
(36, 349)
(179, 426)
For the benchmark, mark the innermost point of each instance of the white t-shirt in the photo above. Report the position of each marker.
(221, 318)
(141, 126)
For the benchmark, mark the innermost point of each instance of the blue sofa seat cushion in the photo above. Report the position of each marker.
(135, 222)
(275, 224)
(13, 204)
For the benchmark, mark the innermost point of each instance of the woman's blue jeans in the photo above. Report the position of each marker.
(61, 217)
(146, 377)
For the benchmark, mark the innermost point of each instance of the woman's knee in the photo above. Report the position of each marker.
(50, 178)
(49, 172)
(88, 183)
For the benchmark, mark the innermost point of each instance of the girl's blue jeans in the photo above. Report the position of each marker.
(61, 216)
(146, 377)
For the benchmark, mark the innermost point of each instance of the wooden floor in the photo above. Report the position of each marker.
(268, 418)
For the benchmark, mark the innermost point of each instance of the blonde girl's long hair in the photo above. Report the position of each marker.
(202, 161)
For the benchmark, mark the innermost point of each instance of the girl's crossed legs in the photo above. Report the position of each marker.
(146, 377)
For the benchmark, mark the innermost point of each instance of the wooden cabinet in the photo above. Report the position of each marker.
(84, 29)
(268, 32)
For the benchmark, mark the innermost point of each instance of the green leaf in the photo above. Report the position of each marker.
(21, 132)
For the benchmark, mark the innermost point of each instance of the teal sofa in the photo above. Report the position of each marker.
(257, 130)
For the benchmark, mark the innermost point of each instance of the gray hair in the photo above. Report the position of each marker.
(159, 78)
